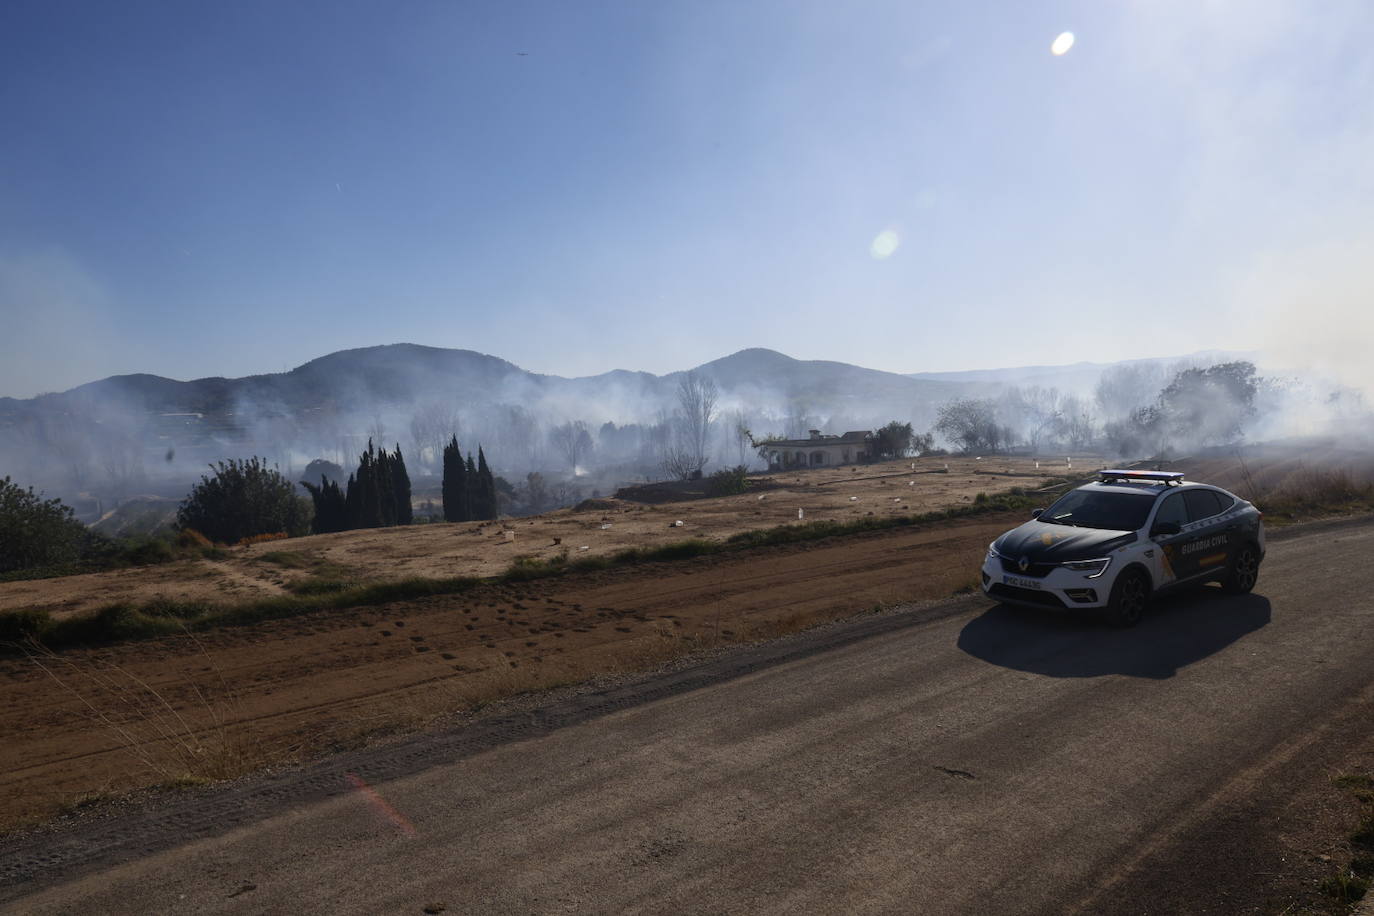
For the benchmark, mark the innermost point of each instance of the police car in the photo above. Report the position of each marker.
(1113, 543)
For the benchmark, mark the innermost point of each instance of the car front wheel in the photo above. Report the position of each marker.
(1130, 594)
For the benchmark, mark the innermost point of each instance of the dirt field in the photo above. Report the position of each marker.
(486, 549)
(226, 701)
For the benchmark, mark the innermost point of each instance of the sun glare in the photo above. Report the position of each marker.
(1061, 44)
(884, 244)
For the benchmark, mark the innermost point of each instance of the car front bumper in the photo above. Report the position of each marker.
(1061, 589)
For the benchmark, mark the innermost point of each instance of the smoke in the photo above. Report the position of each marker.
(56, 315)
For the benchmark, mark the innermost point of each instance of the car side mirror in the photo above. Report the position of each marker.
(1166, 528)
(1035, 513)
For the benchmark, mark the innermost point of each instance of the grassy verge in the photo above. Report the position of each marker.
(165, 617)
(1314, 494)
(1352, 882)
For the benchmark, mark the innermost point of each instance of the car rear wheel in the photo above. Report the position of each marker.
(1129, 596)
(1244, 571)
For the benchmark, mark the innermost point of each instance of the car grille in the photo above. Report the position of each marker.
(1027, 595)
(1038, 570)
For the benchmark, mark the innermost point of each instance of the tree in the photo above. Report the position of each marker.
(319, 469)
(739, 430)
(400, 489)
(483, 489)
(455, 485)
(1210, 406)
(1128, 386)
(331, 506)
(536, 493)
(696, 398)
(431, 426)
(1078, 427)
(35, 532)
(971, 423)
(892, 441)
(573, 441)
(1039, 412)
(241, 499)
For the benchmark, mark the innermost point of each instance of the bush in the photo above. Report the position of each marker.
(728, 482)
(243, 499)
(190, 537)
(36, 532)
(148, 552)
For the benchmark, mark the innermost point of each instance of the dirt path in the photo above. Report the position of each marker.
(104, 720)
(960, 758)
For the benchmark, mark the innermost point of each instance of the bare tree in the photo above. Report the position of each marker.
(573, 441)
(1038, 411)
(739, 431)
(432, 425)
(1079, 427)
(685, 453)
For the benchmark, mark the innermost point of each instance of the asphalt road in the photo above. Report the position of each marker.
(962, 758)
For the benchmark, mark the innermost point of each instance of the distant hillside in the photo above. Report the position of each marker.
(396, 375)
(1076, 377)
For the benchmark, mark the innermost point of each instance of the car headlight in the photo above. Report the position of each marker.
(1093, 568)
(992, 551)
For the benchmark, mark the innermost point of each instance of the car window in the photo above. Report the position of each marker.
(1224, 500)
(1172, 510)
(1092, 509)
(1201, 504)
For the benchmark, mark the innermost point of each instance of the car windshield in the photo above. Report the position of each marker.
(1098, 509)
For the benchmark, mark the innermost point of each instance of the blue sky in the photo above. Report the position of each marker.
(197, 189)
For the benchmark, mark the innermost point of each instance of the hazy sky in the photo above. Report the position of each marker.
(220, 188)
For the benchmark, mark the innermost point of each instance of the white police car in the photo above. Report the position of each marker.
(1113, 543)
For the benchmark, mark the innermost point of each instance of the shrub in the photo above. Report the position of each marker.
(242, 499)
(148, 552)
(190, 537)
(728, 482)
(18, 626)
(35, 532)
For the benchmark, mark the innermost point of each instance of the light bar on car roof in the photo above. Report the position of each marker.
(1170, 477)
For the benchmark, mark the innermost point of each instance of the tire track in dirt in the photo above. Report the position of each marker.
(317, 682)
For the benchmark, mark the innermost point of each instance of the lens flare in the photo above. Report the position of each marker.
(1062, 42)
(883, 245)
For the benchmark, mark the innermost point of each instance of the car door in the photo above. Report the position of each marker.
(1172, 561)
(1210, 548)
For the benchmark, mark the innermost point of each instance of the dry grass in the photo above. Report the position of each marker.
(150, 726)
(1315, 492)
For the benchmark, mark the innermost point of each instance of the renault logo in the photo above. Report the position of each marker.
(1024, 564)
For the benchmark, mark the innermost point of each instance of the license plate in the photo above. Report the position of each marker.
(1019, 582)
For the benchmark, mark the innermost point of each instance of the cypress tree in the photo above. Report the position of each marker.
(353, 506)
(370, 499)
(455, 483)
(331, 508)
(400, 484)
(386, 489)
(470, 490)
(486, 488)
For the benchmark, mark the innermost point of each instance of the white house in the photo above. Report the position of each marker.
(818, 450)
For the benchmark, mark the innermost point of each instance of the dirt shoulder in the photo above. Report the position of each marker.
(92, 723)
